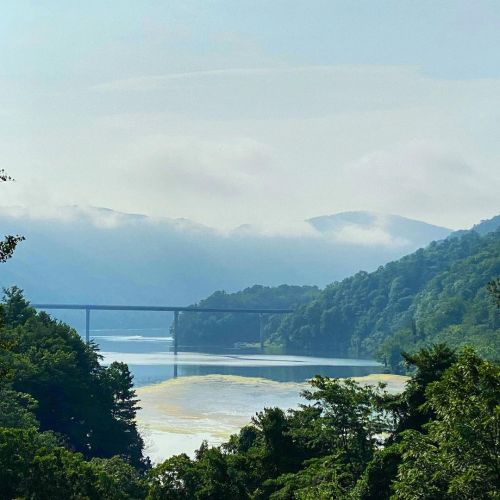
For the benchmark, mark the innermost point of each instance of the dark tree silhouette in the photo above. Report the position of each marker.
(9, 243)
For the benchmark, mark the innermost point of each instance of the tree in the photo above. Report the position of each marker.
(118, 434)
(408, 412)
(92, 406)
(413, 302)
(174, 479)
(457, 454)
(408, 408)
(36, 465)
(278, 449)
(9, 243)
(494, 289)
(16, 409)
(15, 310)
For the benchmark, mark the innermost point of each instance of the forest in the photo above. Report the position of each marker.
(226, 329)
(67, 430)
(436, 294)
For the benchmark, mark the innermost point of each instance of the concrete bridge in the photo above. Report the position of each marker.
(175, 309)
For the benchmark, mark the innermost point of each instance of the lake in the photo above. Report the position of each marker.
(195, 396)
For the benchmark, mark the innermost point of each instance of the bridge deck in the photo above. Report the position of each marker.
(175, 309)
(99, 307)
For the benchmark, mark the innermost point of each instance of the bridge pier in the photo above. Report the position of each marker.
(175, 330)
(261, 331)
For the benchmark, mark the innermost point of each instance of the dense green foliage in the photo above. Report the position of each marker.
(457, 455)
(437, 440)
(36, 465)
(91, 406)
(437, 294)
(226, 329)
(67, 424)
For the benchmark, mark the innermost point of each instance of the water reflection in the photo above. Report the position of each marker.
(150, 360)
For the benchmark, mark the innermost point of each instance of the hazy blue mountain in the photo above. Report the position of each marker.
(376, 227)
(95, 255)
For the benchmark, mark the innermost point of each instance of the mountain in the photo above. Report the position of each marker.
(371, 227)
(96, 255)
(437, 293)
(484, 227)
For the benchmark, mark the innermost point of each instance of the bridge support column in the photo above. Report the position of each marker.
(175, 330)
(261, 331)
(87, 324)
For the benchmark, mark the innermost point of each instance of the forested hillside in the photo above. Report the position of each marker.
(436, 293)
(227, 329)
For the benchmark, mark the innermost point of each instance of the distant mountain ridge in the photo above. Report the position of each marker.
(376, 227)
(484, 227)
(86, 254)
(434, 294)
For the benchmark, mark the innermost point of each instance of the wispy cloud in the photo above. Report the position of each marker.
(368, 236)
(251, 145)
(157, 82)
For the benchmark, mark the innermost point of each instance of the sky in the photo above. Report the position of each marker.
(259, 112)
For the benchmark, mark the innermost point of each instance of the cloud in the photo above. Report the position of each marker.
(285, 229)
(368, 236)
(286, 90)
(267, 145)
(424, 177)
(156, 82)
(186, 165)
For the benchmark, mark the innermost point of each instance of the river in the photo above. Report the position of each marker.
(195, 396)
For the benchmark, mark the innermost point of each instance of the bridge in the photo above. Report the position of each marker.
(175, 309)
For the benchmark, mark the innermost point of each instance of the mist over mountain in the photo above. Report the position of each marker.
(96, 255)
(437, 293)
(368, 228)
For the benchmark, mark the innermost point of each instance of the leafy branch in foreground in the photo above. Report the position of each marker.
(5, 177)
(9, 243)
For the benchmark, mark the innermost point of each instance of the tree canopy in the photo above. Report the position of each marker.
(67, 423)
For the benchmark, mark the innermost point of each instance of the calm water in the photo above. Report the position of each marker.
(150, 359)
(197, 396)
